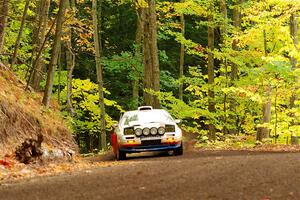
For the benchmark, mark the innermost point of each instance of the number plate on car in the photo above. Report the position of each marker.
(150, 138)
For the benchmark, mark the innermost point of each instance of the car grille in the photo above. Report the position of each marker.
(151, 142)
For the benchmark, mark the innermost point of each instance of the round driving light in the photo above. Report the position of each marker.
(161, 130)
(138, 132)
(146, 131)
(153, 131)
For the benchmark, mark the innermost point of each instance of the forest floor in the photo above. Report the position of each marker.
(198, 174)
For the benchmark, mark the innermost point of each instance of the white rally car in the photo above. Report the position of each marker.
(146, 129)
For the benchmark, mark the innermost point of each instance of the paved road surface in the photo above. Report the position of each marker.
(195, 175)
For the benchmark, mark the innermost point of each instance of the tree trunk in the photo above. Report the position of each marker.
(17, 44)
(99, 73)
(59, 66)
(70, 59)
(181, 62)
(3, 20)
(223, 33)
(237, 19)
(138, 52)
(39, 37)
(151, 62)
(210, 65)
(223, 28)
(39, 53)
(264, 132)
(148, 76)
(294, 36)
(54, 53)
(234, 68)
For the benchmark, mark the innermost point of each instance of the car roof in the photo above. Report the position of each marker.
(148, 111)
(146, 116)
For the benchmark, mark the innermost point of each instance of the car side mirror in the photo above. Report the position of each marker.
(177, 121)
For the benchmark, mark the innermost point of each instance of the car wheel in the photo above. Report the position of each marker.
(179, 150)
(120, 155)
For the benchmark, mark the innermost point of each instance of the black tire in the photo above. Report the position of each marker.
(178, 151)
(121, 155)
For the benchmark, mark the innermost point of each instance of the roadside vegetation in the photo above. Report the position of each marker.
(227, 68)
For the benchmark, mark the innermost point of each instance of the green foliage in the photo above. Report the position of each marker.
(60, 80)
(121, 71)
(86, 119)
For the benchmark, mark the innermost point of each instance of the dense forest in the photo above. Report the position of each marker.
(226, 68)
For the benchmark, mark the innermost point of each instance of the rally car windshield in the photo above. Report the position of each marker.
(140, 117)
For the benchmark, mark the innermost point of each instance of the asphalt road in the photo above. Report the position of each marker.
(195, 175)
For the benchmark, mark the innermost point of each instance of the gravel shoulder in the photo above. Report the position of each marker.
(195, 175)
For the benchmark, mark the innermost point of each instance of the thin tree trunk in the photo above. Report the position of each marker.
(69, 83)
(237, 19)
(154, 53)
(210, 65)
(99, 73)
(40, 51)
(59, 65)
(42, 22)
(223, 28)
(276, 114)
(223, 32)
(70, 58)
(17, 44)
(264, 132)
(234, 67)
(181, 62)
(148, 74)
(151, 62)
(294, 36)
(54, 54)
(138, 52)
(35, 36)
(3, 21)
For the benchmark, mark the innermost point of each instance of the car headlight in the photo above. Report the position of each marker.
(153, 131)
(138, 132)
(161, 130)
(128, 131)
(170, 128)
(146, 131)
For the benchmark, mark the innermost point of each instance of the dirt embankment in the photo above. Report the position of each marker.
(22, 117)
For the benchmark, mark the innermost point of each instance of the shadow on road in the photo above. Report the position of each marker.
(134, 156)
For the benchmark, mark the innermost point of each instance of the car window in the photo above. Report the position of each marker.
(146, 117)
(130, 118)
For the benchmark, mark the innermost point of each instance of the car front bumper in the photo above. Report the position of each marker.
(161, 147)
